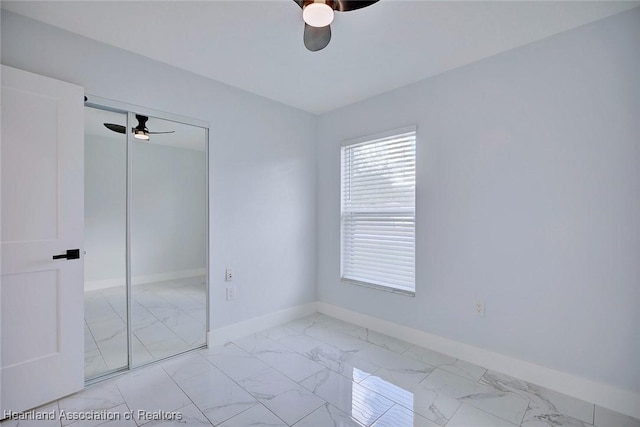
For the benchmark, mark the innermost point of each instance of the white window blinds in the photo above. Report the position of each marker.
(378, 211)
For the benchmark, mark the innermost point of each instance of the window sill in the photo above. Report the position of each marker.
(380, 287)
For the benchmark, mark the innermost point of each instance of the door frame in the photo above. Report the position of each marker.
(130, 111)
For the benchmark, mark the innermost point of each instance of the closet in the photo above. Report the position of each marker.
(145, 236)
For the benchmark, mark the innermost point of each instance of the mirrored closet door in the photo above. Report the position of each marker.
(145, 239)
(105, 260)
(168, 241)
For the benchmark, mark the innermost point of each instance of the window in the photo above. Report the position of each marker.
(378, 211)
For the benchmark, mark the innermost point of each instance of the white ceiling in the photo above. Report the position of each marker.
(257, 46)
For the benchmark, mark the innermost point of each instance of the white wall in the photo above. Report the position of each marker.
(262, 161)
(168, 212)
(528, 198)
(105, 209)
(168, 215)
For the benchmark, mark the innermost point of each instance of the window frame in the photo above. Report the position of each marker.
(372, 139)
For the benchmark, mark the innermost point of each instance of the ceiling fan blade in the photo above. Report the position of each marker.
(316, 38)
(115, 128)
(155, 133)
(347, 5)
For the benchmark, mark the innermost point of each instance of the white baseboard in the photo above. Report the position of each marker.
(141, 280)
(607, 396)
(251, 326)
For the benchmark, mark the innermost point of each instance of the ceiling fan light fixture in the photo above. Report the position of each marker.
(140, 134)
(318, 14)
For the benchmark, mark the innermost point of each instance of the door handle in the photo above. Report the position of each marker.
(71, 254)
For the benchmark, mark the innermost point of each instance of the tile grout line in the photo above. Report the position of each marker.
(228, 377)
(101, 357)
(185, 393)
(271, 367)
(454, 414)
(525, 413)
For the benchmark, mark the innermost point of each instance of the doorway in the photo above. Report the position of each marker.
(146, 236)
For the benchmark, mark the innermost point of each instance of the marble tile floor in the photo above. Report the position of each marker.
(168, 317)
(321, 372)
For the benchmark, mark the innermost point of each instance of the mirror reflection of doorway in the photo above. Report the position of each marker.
(149, 302)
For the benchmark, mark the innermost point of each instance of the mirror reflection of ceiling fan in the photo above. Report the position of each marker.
(140, 131)
(318, 14)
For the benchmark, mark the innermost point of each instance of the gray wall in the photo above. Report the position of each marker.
(262, 161)
(528, 197)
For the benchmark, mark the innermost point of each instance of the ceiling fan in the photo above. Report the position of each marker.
(318, 14)
(140, 131)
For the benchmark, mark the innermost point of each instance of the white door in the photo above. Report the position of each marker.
(42, 299)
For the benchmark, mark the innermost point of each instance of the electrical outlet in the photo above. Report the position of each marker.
(228, 275)
(231, 293)
(479, 308)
